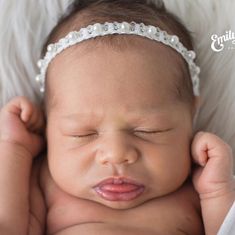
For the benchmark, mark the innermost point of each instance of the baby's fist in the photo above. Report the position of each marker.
(214, 174)
(22, 123)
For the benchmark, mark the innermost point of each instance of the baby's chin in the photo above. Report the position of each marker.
(122, 205)
(126, 204)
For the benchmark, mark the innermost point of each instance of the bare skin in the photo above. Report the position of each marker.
(119, 119)
(181, 209)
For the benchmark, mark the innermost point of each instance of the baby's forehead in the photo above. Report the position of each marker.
(148, 53)
(136, 45)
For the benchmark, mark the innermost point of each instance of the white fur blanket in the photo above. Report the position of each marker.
(25, 24)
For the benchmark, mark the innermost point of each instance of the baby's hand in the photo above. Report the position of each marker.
(213, 179)
(22, 124)
(214, 175)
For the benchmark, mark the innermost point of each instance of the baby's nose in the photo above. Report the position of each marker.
(117, 148)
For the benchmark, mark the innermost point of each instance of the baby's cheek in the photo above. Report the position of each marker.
(183, 168)
(178, 170)
(60, 170)
(67, 171)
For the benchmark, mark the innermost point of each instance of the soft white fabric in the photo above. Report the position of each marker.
(228, 226)
(24, 27)
(204, 18)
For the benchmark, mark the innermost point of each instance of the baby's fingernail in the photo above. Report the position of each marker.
(203, 163)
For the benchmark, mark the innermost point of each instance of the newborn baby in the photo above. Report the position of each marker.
(119, 112)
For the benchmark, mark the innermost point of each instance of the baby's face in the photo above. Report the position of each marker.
(115, 114)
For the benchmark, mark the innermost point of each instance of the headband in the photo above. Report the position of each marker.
(96, 30)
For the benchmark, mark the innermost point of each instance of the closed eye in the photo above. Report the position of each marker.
(152, 132)
(85, 135)
(148, 132)
(136, 131)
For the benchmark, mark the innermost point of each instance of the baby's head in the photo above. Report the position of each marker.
(119, 108)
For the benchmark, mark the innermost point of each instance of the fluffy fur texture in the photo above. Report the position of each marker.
(25, 25)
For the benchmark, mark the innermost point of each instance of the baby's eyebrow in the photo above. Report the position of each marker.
(137, 117)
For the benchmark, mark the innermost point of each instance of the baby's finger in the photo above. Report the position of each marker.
(28, 112)
(19, 106)
(26, 108)
(36, 122)
(209, 147)
(199, 150)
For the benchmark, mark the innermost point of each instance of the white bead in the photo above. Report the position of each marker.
(50, 47)
(97, 28)
(174, 39)
(72, 36)
(152, 30)
(38, 78)
(40, 63)
(85, 34)
(124, 27)
(42, 89)
(191, 54)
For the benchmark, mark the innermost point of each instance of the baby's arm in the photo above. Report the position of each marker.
(20, 141)
(213, 179)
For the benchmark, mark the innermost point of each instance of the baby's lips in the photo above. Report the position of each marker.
(118, 181)
(119, 189)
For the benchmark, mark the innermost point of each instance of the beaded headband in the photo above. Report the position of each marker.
(95, 30)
